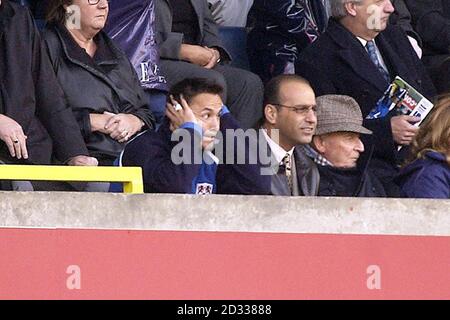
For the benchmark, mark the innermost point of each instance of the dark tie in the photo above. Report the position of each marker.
(370, 46)
(288, 170)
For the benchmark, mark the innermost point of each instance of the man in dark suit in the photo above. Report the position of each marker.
(289, 121)
(190, 47)
(359, 55)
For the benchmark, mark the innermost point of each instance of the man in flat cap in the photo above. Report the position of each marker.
(336, 149)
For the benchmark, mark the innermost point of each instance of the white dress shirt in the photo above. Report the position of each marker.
(278, 152)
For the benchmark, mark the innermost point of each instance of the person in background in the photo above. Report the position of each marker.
(230, 13)
(431, 20)
(359, 55)
(402, 17)
(131, 25)
(36, 124)
(336, 150)
(289, 122)
(282, 30)
(427, 173)
(190, 47)
(99, 82)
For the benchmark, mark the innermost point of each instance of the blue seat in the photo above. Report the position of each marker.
(234, 39)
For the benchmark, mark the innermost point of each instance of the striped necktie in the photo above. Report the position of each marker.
(288, 170)
(370, 46)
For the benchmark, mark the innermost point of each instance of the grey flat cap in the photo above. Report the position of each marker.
(337, 113)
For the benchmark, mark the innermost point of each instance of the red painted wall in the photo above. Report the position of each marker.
(203, 265)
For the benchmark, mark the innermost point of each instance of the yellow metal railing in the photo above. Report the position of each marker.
(131, 177)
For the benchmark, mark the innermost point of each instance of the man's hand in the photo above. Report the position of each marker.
(215, 58)
(403, 130)
(196, 54)
(183, 115)
(83, 161)
(122, 126)
(12, 135)
(99, 121)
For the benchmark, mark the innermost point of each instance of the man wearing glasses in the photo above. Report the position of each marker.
(289, 121)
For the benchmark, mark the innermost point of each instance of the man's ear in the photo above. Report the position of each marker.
(350, 7)
(271, 114)
(319, 144)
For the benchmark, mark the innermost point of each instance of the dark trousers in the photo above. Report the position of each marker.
(243, 90)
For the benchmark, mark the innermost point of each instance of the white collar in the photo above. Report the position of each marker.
(212, 156)
(364, 41)
(276, 149)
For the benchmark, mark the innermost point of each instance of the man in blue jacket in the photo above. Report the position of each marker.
(179, 157)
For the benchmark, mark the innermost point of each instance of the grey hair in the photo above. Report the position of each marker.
(338, 8)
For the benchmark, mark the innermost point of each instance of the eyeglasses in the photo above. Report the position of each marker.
(94, 2)
(298, 109)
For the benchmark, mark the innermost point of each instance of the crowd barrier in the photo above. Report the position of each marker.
(131, 177)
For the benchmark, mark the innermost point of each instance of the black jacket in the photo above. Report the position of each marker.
(337, 63)
(30, 93)
(106, 82)
(336, 182)
(170, 42)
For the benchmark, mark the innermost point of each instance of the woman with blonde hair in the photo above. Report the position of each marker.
(427, 175)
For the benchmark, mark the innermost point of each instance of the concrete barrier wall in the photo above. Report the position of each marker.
(225, 213)
(55, 246)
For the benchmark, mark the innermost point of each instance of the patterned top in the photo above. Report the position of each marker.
(317, 157)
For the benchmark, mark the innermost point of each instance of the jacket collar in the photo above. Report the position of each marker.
(106, 53)
(355, 55)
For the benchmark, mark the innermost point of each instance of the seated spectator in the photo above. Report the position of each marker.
(131, 25)
(360, 60)
(190, 47)
(402, 17)
(230, 13)
(283, 29)
(98, 81)
(427, 175)
(431, 19)
(35, 121)
(195, 114)
(336, 149)
(289, 121)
